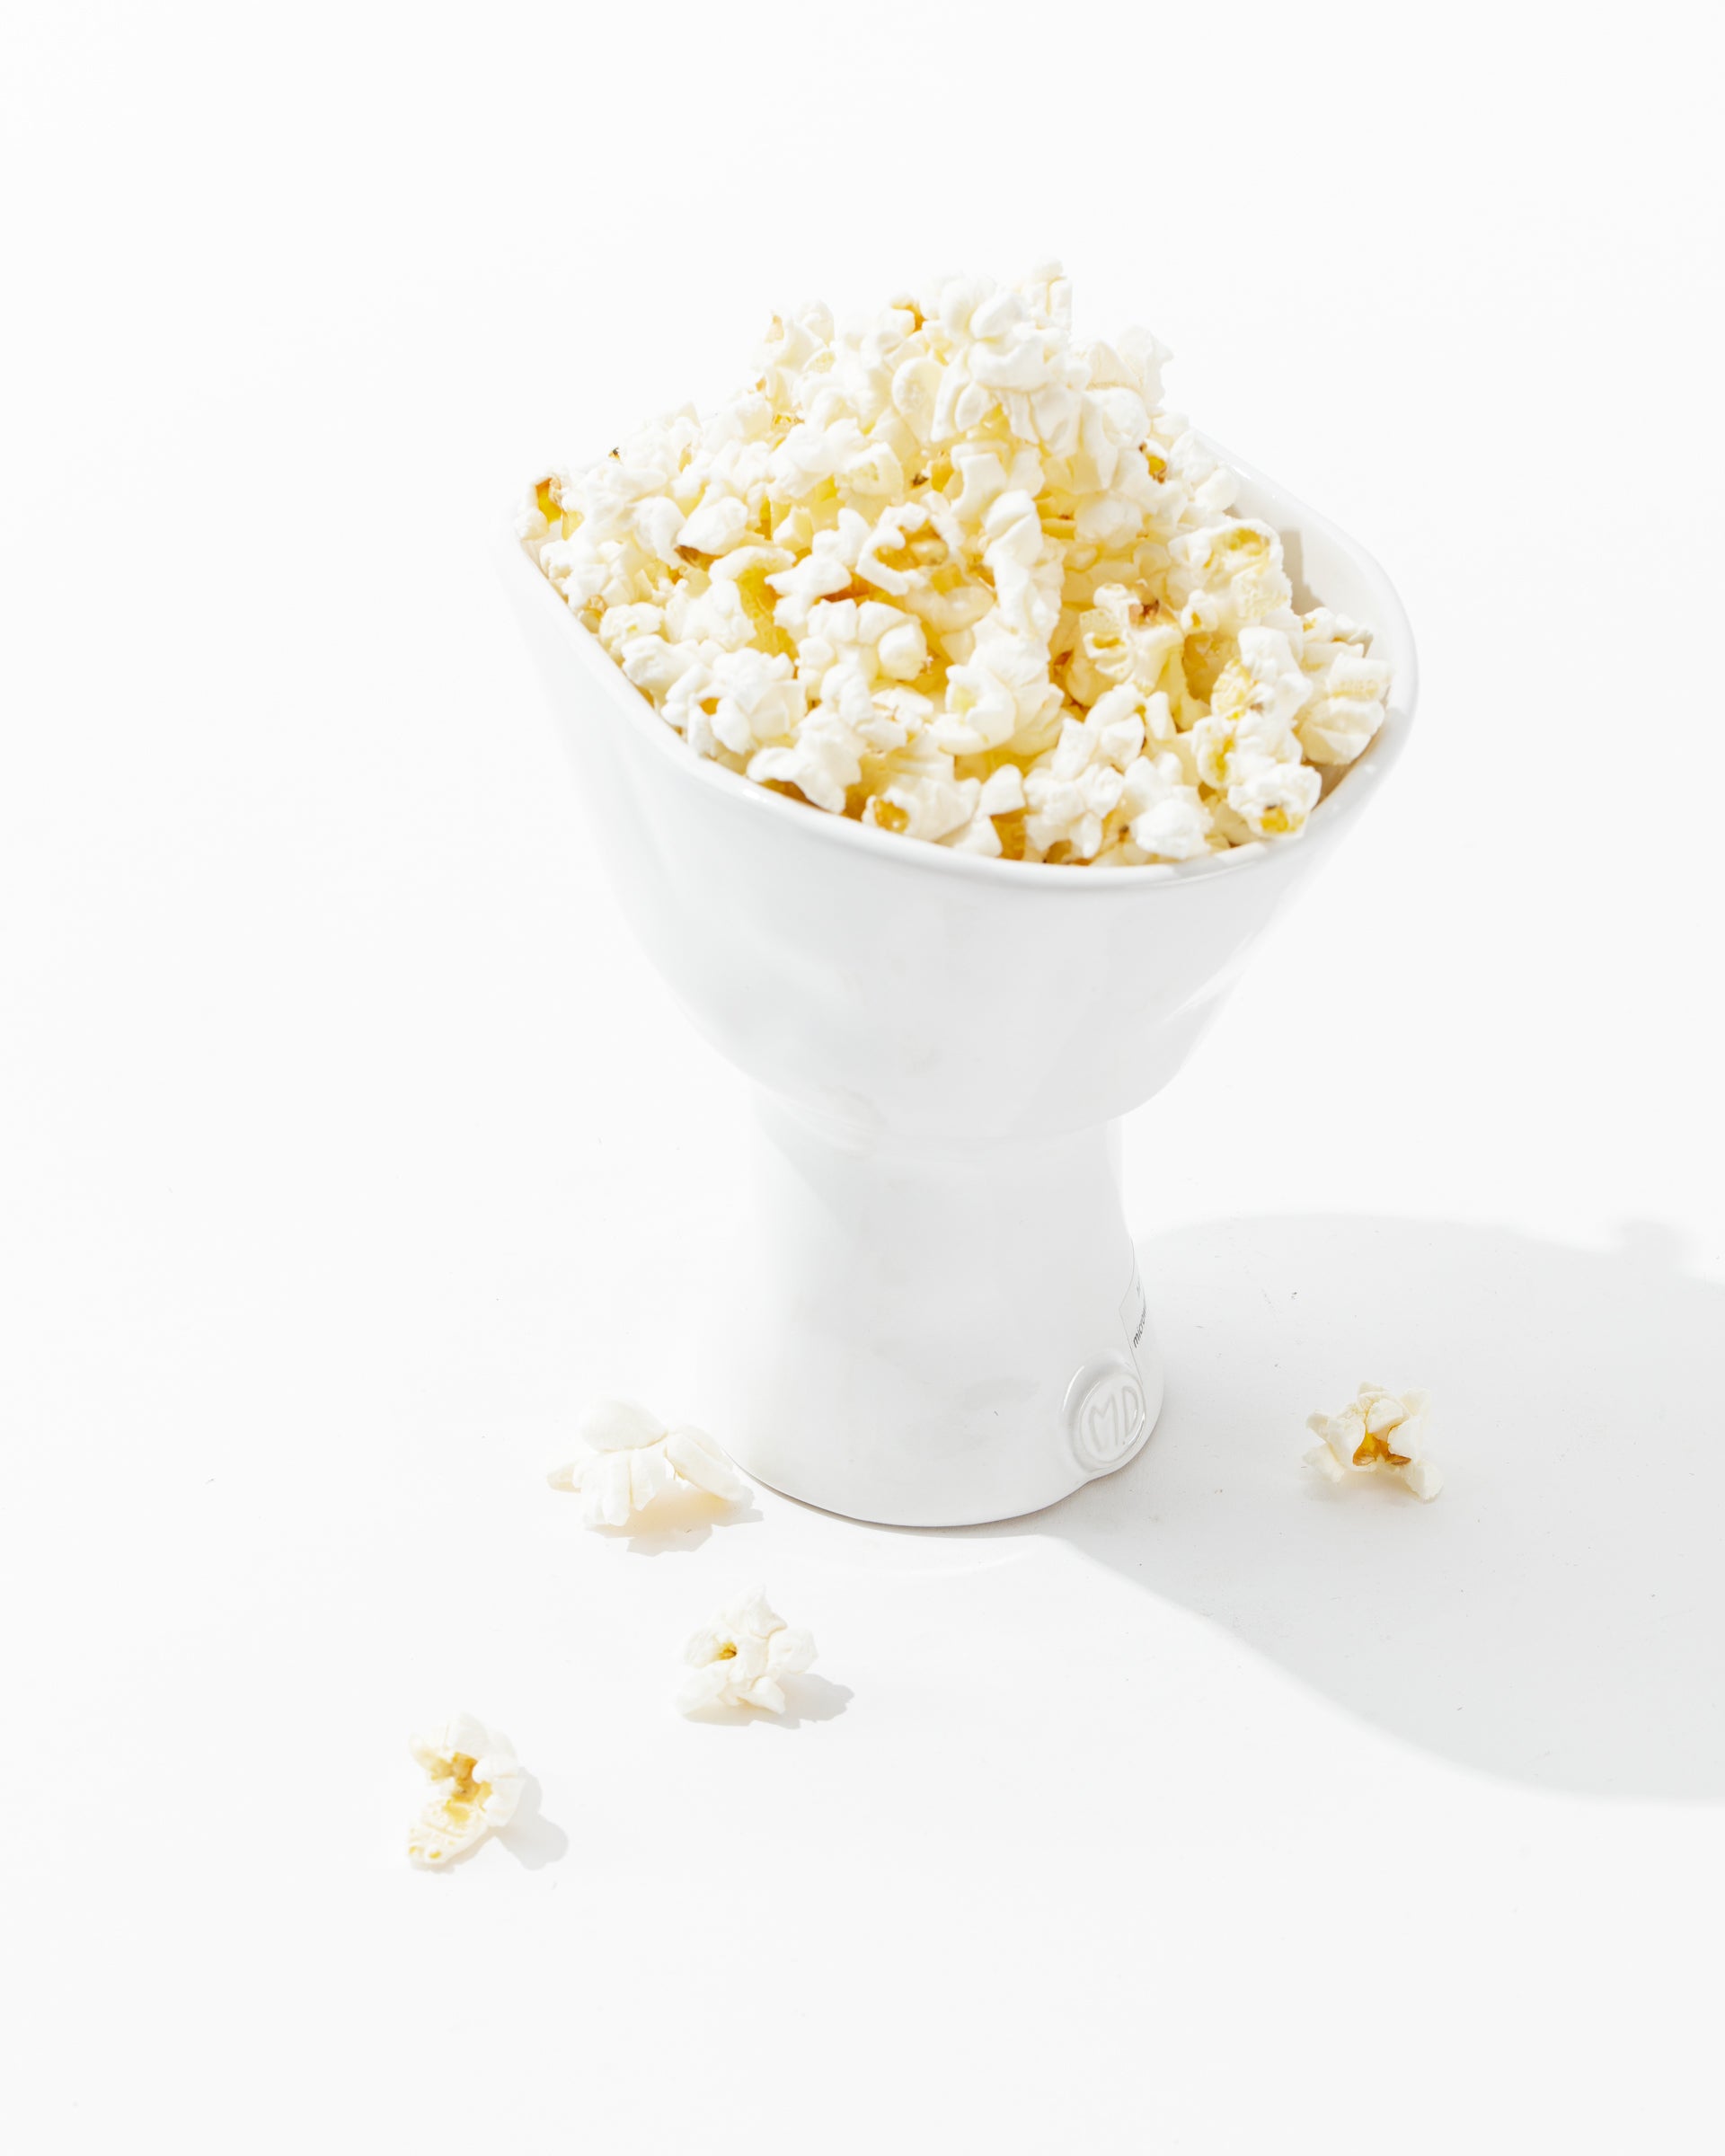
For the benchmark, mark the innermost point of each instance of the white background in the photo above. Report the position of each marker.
(348, 1144)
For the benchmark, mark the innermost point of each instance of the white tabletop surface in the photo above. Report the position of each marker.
(348, 1145)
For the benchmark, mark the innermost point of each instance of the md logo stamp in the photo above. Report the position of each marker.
(1106, 1413)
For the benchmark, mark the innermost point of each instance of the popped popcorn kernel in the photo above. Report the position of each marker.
(956, 534)
(742, 1657)
(632, 1458)
(475, 1785)
(1377, 1429)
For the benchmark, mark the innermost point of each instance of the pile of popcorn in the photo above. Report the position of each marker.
(959, 575)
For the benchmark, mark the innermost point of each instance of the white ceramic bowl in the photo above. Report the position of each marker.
(935, 1316)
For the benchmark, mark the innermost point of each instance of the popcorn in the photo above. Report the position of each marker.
(758, 700)
(956, 545)
(823, 762)
(1167, 819)
(1376, 1429)
(1120, 646)
(634, 1458)
(1071, 793)
(1234, 575)
(920, 797)
(1346, 705)
(716, 527)
(475, 1785)
(741, 1659)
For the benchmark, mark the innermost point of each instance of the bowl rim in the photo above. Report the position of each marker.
(1391, 633)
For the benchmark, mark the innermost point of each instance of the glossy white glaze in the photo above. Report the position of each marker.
(942, 1046)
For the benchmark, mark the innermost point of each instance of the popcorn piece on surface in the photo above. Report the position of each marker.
(1377, 1429)
(956, 545)
(633, 1457)
(741, 1659)
(475, 1785)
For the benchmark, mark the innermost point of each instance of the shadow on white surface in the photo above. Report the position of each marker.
(808, 1699)
(1557, 1615)
(531, 1839)
(681, 1519)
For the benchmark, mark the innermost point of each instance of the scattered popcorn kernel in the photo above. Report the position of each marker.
(475, 1785)
(1376, 1429)
(957, 534)
(633, 1457)
(741, 1659)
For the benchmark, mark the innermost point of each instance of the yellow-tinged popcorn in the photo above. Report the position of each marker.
(1376, 1430)
(1346, 707)
(955, 546)
(742, 1658)
(475, 1785)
